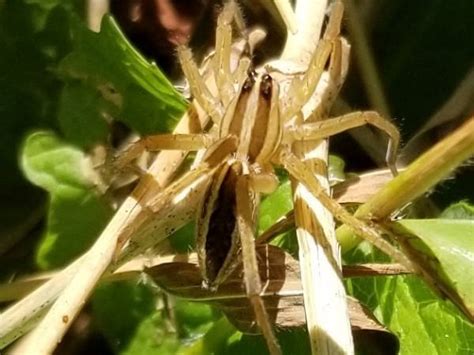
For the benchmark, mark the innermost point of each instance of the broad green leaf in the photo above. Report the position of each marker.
(424, 323)
(106, 62)
(76, 212)
(194, 318)
(452, 243)
(214, 341)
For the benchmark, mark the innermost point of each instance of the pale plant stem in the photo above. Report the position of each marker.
(286, 12)
(20, 318)
(76, 286)
(45, 337)
(417, 179)
(301, 45)
(96, 9)
(326, 310)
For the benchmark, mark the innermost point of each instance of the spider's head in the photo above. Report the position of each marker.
(253, 117)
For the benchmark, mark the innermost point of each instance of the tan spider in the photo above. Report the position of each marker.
(256, 121)
(254, 129)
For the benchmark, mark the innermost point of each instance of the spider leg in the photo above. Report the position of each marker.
(166, 141)
(298, 170)
(198, 87)
(222, 57)
(337, 71)
(332, 126)
(215, 155)
(253, 283)
(302, 89)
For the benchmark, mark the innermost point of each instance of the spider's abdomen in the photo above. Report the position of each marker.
(217, 233)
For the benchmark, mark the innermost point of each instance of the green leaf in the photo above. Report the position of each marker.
(76, 213)
(194, 318)
(123, 309)
(82, 115)
(28, 90)
(106, 62)
(424, 323)
(452, 243)
(294, 341)
(460, 210)
(272, 208)
(214, 341)
(152, 336)
(275, 206)
(54, 165)
(126, 313)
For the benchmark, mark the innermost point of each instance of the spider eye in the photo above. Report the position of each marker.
(266, 86)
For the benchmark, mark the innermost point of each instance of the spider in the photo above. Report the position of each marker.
(256, 122)
(254, 128)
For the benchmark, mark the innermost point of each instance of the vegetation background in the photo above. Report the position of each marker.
(53, 74)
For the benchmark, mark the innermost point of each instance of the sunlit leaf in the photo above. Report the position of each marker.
(452, 243)
(106, 62)
(76, 212)
(424, 323)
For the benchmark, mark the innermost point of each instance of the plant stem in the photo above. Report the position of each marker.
(418, 178)
(326, 311)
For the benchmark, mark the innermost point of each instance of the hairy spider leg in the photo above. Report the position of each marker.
(338, 68)
(223, 47)
(220, 62)
(333, 126)
(299, 171)
(303, 88)
(222, 57)
(215, 156)
(165, 141)
(253, 284)
(199, 89)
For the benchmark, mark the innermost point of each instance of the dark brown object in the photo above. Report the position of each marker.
(283, 296)
(157, 26)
